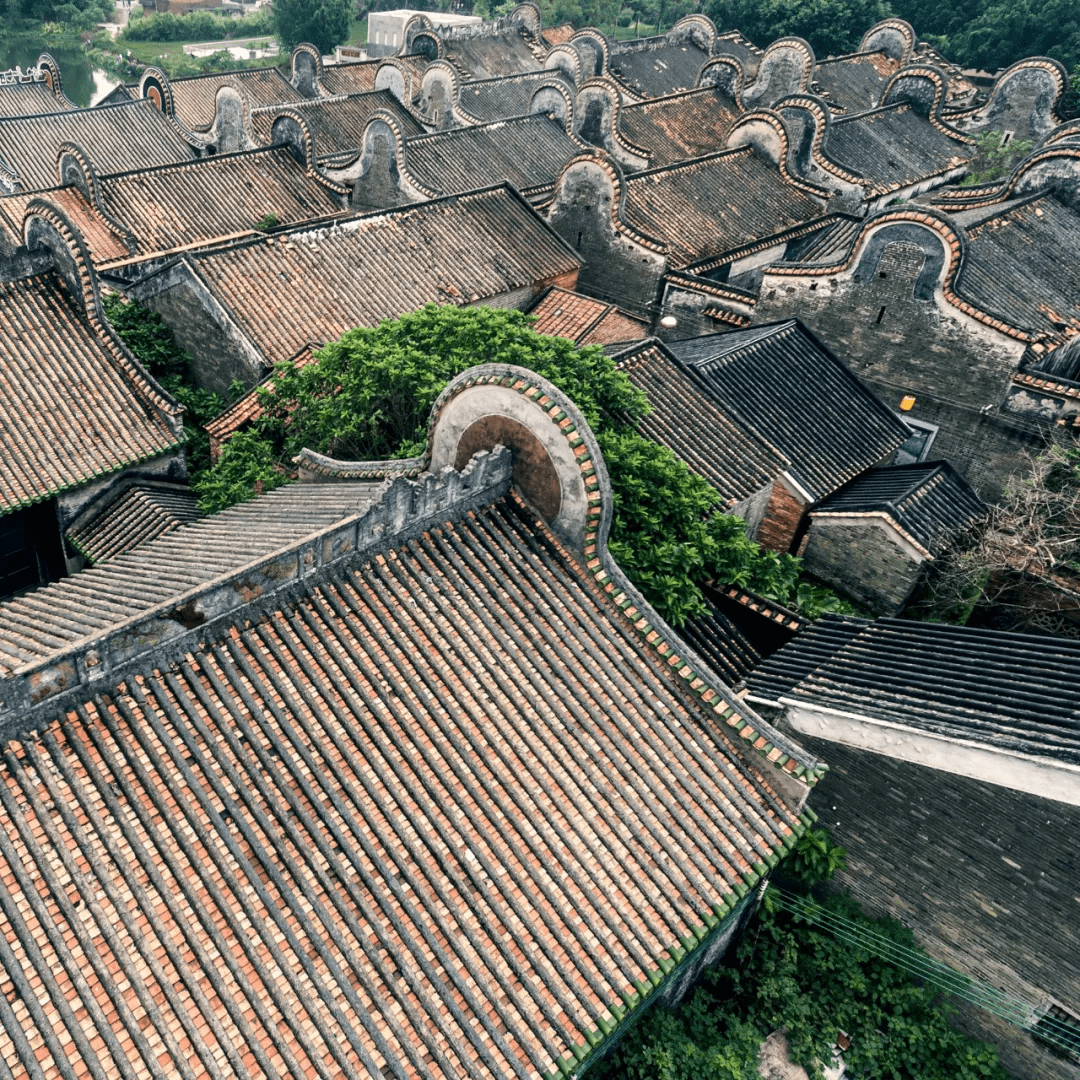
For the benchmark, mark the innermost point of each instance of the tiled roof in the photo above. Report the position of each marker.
(195, 96)
(782, 382)
(497, 99)
(680, 126)
(722, 643)
(1024, 265)
(28, 99)
(141, 513)
(697, 426)
(929, 500)
(715, 204)
(853, 83)
(830, 244)
(357, 78)
(369, 833)
(104, 239)
(491, 55)
(60, 615)
(527, 152)
(893, 147)
(584, 320)
(247, 408)
(654, 67)
(132, 135)
(558, 35)
(474, 246)
(337, 124)
(72, 406)
(181, 206)
(1016, 692)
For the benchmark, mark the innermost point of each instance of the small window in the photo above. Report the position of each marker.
(917, 446)
(881, 315)
(1060, 1028)
(1006, 138)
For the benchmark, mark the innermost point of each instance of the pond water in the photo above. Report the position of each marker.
(83, 84)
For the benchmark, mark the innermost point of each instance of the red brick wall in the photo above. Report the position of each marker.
(782, 516)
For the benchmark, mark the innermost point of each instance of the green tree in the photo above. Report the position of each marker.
(831, 26)
(323, 23)
(370, 395)
(788, 973)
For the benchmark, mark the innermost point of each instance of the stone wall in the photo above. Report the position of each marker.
(899, 343)
(218, 352)
(986, 877)
(865, 559)
(616, 269)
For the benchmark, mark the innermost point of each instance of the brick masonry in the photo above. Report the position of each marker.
(900, 344)
(865, 559)
(782, 517)
(988, 878)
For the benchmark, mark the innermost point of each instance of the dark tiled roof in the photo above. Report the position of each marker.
(140, 514)
(1017, 692)
(497, 99)
(715, 204)
(57, 616)
(722, 643)
(929, 500)
(829, 244)
(527, 152)
(28, 99)
(489, 56)
(72, 406)
(195, 96)
(337, 124)
(697, 426)
(584, 320)
(655, 67)
(854, 83)
(781, 381)
(893, 147)
(474, 246)
(1024, 265)
(681, 126)
(195, 203)
(358, 78)
(132, 135)
(438, 816)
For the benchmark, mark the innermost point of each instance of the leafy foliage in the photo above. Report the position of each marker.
(787, 973)
(370, 396)
(831, 26)
(994, 159)
(323, 23)
(814, 857)
(198, 26)
(144, 332)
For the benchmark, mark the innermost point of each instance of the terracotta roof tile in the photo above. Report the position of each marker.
(584, 320)
(475, 246)
(679, 126)
(715, 204)
(72, 406)
(368, 831)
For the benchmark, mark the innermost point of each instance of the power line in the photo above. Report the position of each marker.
(1060, 1033)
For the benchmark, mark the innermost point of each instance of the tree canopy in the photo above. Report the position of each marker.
(323, 23)
(369, 398)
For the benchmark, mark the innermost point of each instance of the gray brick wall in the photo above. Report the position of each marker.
(987, 878)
